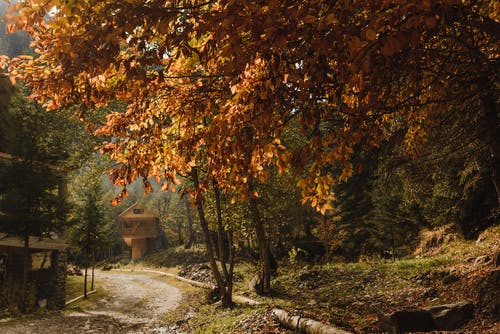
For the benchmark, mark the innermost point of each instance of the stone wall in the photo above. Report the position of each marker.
(58, 280)
(47, 284)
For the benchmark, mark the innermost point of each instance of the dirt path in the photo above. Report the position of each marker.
(133, 303)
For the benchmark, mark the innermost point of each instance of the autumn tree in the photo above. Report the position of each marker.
(214, 84)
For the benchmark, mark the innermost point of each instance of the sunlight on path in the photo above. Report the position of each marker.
(135, 297)
(133, 303)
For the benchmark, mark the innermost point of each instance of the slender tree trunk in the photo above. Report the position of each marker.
(85, 282)
(224, 293)
(225, 254)
(179, 235)
(189, 226)
(44, 260)
(262, 243)
(26, 269)
(88, 242)
(93, 267)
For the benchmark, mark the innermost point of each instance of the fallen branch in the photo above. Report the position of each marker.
(79, 297)
(304, 325)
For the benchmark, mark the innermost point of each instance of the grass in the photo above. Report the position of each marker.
(74, 286)
(227, 319)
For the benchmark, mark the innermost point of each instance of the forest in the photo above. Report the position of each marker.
(276, 133)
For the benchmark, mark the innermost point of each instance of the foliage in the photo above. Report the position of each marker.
(218, 79)
(29, 183)
(91, 227)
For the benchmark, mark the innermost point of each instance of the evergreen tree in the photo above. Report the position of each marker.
(29, 181)
(91, 227)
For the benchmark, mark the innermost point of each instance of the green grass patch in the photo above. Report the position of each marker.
(408, 268)
(224, 321)
(74, 286)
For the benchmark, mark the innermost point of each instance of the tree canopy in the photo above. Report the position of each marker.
(215, 83)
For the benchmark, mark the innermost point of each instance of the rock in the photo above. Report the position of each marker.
(42, 303)
(72, 270)
(107, 267)
(307, 275)
(451, 316)
(442, 317)
(481, 260)
(489, 295)
(255, 284)
(204, 267)
(198, 272)
(451, 278)
(480, 239)
(431, 292)
(413, 320)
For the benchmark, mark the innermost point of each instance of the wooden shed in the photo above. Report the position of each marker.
(139, 229)
(47, 274)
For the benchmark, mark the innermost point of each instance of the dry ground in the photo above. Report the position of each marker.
(132, 303)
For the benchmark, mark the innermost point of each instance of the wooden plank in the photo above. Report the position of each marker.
(80, 297)
(34, 242)
(7, 156)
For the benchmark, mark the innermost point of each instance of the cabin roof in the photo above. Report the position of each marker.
(129, 212)
(42, 243)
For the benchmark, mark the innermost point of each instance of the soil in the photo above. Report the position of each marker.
(134, 303)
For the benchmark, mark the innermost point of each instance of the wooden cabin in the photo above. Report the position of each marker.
(139, 229)
(46, 275)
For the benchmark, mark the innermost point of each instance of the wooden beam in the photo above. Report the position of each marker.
(7, 156)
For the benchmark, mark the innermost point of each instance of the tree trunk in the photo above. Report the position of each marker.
(44, 260)
(224, 293)
(305, 325)
(85, 282)
(225, 259)
(262, 243)
(93, 267)
(189, 226)
(26, 269)
(492, 139)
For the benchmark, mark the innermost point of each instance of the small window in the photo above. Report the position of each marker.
(138, 211)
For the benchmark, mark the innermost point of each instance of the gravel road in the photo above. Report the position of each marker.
(134, 303)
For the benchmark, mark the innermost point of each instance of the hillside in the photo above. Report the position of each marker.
(352, 295)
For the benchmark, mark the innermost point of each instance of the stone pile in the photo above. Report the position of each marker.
(198, 272)
(73, 270)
